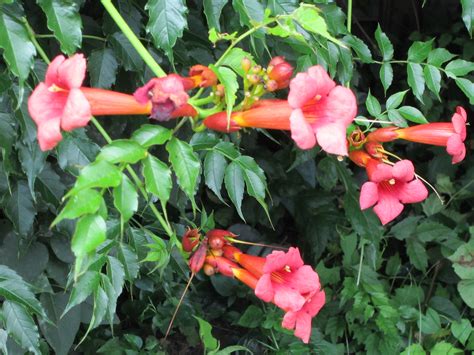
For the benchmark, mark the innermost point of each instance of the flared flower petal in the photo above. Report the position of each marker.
(264, 289)
(456, 148)
(413, 192)
(278, 260)
(303, 327)
(324, 83)
(77, 111)
(368, 195)
(388, 207)
(287, 298)
(72, 72)
(302, 89)
(301, 131)
(49, 134)
(403, 170)
(332, 138)
(44, 105)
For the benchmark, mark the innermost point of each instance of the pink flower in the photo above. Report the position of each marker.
(455, 145)
(294, 287)
(58, 103)
(167, 94)
(333, 106)
(390, 187)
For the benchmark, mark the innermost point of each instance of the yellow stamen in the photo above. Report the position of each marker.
(55, 88)
(391, 181)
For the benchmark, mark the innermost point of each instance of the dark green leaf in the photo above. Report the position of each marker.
(75, 152)
(462, 330)
(416, 80)
(251, 318)
(412, 114)
(89, 234)
(87, 284)
(386, 76)
(360, 48)
(129, 260)
(103, 67)
(384, 44)
(419, 51)
(467, 88)
(100, 309)
(186, 165)
(18, 50)
(459, 67)
(64, 20)
(126, 198)
(167, 22)
(433, 79)
(214, 168)
(234, 184)
(212, 10)
(124, 50)
(122, 151)
(373, 105)
(466, 290)
(149, 135)
(157, 178)
(20, 209)
(21, 326)
(395, 100)
(32, 162)
(250, 11)
(84, 202)
(396, 118)
(417, 254)
(49, 185)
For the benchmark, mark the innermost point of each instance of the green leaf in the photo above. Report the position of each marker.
(99, 310)
(129, 260)
(439, 56)
(417, 254)
(148, 135)
(386, 76)
(467, 88)
(309, 17)
(412, 114)
(214, 168)
(87, 284)
(384, 44)
(414, 349)
(32, 162)
(122, 151)
(463, 260)
(250, 11)
(64, 20)
(89, 234)
(462, 330)
(205, 333)
(126, 198)
(15, 289)
(75, 152)
(428, 231)
(395, 100)
(97, 174)
(127, 54)
(49, 185)
(433, 79)
(186, 165)
(213, 10)
(84, 202)
(254, 177)
(416, 80)
(157, 178)
(18, 50)
(251, 318)
(468, 14)
(234, 60)
(444, 348)
(227, 78)
(459, 67)
(397, 119)
(103, 67)
(419, 51)
(234, 184)
(20, 209)
(360, 48)
(166, 24)
(21, 326)
(373, 105)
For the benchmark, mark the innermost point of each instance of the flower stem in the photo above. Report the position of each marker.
(166, 226)
(127, 31)
(349, 16)
(31, 34)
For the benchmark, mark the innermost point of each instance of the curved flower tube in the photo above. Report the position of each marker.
(317, 112)
(445, 134)
(389, 187)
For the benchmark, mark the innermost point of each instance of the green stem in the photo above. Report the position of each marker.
(127, 31)
(31, 34)
(200, 102)
(349, 16)
(137, 182)
(83, 36)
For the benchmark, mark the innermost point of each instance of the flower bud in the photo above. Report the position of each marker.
(218, 122)
(208, 269)
(246, 64)
(382, 135)
(256, 69)
(374, 149)
(253, 78)
(280, 71)
(217, 252)
(271, 85)
(220, 90)
(190, 239)
(202, 76)
(222, 265)
(197, 259)
(230, 251)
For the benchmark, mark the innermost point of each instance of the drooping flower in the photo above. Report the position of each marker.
(294, 287)
(58, 103)
(166, 95)
(317, 112)
(202, 76)
(190, 239)
(445, 134)
(389, 187)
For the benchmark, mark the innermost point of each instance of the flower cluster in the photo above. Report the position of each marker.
(62, 103)
(281, 277)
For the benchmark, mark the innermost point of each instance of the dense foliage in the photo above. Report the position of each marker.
(90, 232)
